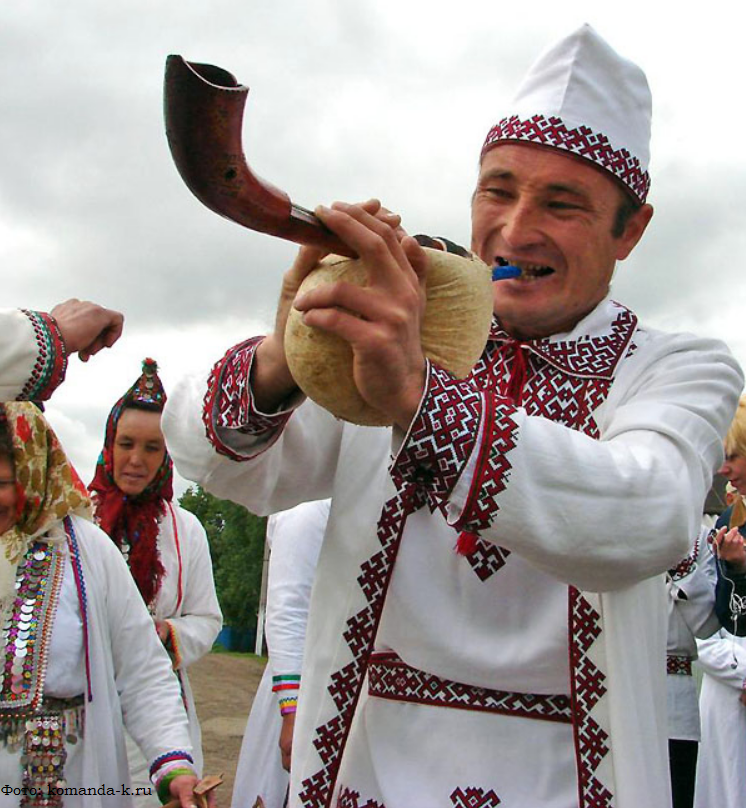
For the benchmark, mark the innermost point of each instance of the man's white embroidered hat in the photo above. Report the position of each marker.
(582, 97)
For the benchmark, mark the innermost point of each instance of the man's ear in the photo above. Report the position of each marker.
(633, 230)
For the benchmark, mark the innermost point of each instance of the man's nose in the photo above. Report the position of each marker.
(521, 226)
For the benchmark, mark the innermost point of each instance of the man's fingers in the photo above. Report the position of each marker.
(376, 242)
(416, 256)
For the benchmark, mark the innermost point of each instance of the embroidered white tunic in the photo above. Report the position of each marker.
(294, 538)
(591, 482)
(188, 602)
(130, 678)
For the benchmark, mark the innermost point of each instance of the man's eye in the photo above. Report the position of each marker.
(563, 206)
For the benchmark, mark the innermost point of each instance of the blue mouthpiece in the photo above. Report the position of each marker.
(500, 273)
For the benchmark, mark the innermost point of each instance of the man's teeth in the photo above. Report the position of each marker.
(534, 270)
(528, 271)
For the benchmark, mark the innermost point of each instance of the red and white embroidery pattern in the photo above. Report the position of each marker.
(391, 678)
(228, 403)
(487, 559)
(583, 142)
(565, 383)
(442, 435)
(588, 685)
(351, 799)
(347, 682)
(686, 565)
(474, 798)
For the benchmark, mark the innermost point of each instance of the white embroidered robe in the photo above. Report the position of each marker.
(131, 680)
(583, 495)
(294, 538)
(188, 602)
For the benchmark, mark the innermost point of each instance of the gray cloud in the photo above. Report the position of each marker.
(347, 100)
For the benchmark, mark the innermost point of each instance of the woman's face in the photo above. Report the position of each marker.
(734, 470)
(8, 496)
(139, 449)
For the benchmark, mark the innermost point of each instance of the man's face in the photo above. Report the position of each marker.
(552, 216)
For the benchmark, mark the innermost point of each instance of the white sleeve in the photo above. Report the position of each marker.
(299, 466)
(297, 535)
(723, 657)
(195, 628)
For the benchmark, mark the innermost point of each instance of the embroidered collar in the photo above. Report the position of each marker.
(592, 349)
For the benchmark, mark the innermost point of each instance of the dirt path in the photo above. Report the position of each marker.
(224, 687)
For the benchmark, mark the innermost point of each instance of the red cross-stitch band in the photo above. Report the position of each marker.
(582, 141)
(391, 678)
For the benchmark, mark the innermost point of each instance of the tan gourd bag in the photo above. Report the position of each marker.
(455, 328)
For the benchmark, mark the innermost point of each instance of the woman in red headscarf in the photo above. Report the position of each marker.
(165, 546)
(78, 663)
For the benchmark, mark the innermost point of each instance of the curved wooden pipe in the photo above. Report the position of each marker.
(203, 107)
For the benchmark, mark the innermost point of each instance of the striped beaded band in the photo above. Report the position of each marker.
(176, 755)
(286, 686)
(51, 361)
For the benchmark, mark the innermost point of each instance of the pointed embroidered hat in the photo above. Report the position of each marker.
(582, 97)
(148, 388)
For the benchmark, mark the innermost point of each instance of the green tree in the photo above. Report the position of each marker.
(236, 539)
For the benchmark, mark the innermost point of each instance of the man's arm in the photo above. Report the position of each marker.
(35, 345)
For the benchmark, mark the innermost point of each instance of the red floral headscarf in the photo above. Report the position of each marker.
(47, 487)
(134, 520)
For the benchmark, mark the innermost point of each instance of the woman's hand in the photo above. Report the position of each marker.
(182, 789)
(286, 739)
(729, 546)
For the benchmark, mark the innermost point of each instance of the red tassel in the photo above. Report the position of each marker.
(517, 373)
(467, 543)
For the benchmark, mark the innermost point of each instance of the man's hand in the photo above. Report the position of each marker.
(382, 320)
(86, 327)
(271, 380)
(729, 546)
(286, 739)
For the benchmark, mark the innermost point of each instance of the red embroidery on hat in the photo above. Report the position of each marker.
(582, 141)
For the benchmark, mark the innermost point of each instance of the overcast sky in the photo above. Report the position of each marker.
(348, 100)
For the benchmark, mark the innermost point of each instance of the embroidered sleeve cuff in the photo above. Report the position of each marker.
(286, 689)
(51, 359)
(178, 759)
(442, 435)
(229, 404)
